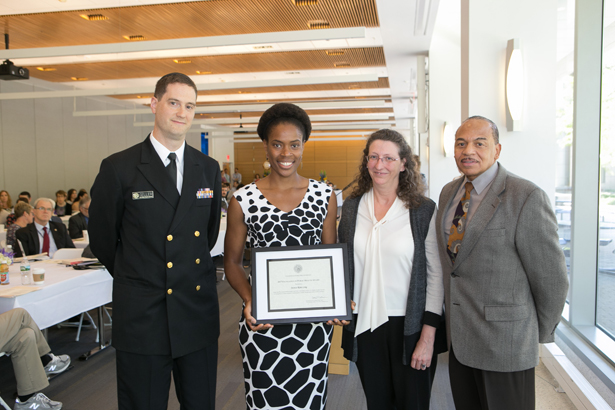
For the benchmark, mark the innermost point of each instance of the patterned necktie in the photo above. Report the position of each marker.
(172, 168)
(45, 241)
(458, 228)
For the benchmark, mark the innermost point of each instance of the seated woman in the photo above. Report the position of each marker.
(71, 196)
(75, 205)
(23, 217)
(62, 206)
(389, 227)
(5, 201)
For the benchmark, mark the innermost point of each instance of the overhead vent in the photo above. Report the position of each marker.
(94, 17)
(318, 24)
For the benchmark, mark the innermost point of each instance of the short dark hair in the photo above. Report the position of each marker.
(494, 128)
(226, 185)
(172, 78)
(26, 193)
(60, 192)
(284, 113)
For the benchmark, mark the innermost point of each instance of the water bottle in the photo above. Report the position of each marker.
(26, 276)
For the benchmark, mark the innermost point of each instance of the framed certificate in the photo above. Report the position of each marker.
(298, 284)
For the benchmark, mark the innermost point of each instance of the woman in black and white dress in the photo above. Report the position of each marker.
(285, 366)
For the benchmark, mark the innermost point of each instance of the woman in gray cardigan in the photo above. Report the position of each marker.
(395, 277)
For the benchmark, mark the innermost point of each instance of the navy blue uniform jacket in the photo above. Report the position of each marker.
(156, 245)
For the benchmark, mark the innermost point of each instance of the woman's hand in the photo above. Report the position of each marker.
(251, 321)
(338, 322)
(423, 352)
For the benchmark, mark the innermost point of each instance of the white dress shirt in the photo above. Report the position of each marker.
(385, 248)
(480, 188)
(163, 153)
(41, 235)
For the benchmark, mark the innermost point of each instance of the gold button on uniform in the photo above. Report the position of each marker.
(170, 291)
(169, 238)
(198, 261)
(197, 233)
(170, 265)
(198, 287)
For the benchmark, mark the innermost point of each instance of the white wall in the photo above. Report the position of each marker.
(444, 92)
(44, 148)
(530, 153)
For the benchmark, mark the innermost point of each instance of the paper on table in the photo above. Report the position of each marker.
(17, 291)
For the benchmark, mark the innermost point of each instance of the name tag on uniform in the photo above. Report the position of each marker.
(142, 195)
(204, 193)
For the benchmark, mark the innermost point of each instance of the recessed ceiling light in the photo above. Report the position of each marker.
(317, 24)
(305, 2)
(79, 78)
(342, 64)
(134, 38)
(94, 17)
(335, 52)
(182, 61)
(261, 47)
(45, 69)
(203, 72)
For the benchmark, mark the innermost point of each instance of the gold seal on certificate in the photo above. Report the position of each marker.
(300, 284)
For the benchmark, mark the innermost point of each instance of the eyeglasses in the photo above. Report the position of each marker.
(40, 208)
(373, 159)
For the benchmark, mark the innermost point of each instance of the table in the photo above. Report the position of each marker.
(218, 248)
(67, 292)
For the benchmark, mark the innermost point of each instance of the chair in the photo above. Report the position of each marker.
(74, 253)
(2, 402)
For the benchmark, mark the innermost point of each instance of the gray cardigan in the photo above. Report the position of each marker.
(415, 307)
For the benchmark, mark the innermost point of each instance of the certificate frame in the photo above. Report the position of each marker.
(300, 284)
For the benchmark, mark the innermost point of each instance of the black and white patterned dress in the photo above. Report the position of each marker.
(285, 367)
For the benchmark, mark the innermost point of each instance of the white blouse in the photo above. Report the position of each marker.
(384, 250)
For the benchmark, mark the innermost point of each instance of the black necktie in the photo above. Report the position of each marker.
(172, 168)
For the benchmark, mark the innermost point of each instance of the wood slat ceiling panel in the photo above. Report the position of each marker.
(223, 64)
(181, 20)
(309, 112)
(383, 82)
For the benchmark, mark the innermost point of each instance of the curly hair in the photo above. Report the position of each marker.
(410, 188)
(284, 113)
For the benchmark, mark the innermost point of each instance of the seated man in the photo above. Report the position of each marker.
(225, 190)
(32, 359)
(79, 222)
(25, 195)
(43, 235)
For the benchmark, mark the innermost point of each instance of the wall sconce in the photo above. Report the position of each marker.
(448, 140)
(514, 85)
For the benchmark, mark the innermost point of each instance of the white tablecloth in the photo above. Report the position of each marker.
(66, 293)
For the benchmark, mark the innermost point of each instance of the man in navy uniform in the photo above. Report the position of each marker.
(154, 216)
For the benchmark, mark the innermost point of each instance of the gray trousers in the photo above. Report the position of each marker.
(22, 339)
